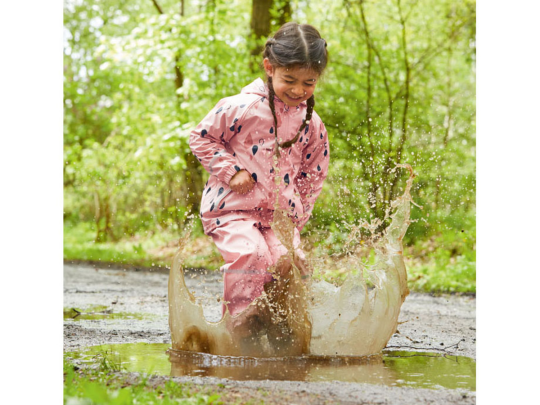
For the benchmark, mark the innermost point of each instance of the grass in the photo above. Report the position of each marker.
(455, 276)
(152, 250)
(444, 263)
(102, 382)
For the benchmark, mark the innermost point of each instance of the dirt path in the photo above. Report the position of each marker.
(428, 323)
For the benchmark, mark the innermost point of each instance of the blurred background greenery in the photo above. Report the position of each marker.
(399, 88)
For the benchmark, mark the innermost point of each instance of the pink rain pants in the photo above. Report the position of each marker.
(249, 250)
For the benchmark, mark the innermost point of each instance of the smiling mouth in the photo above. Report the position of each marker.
(294, 98)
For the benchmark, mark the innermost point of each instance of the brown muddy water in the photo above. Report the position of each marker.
(295, 317)
(391, 368)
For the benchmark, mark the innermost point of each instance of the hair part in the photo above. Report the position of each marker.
(297, 45)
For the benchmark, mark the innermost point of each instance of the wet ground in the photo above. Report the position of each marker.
(107, 306)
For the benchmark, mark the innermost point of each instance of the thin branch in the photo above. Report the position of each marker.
(160, 11)
(374, 184)
(413, 5)
(448, 118)
(430, 53)
(407, 97)
(390, 103)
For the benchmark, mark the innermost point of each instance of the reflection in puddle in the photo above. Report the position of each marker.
(392, 368)
(99, 312)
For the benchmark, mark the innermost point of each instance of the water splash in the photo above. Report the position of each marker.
(295, 317)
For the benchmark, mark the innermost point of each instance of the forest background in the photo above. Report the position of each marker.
(399, 88)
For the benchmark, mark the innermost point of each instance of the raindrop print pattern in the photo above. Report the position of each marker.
(225, 147)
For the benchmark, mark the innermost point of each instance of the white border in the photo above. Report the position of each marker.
(31, 199)
(508, 78)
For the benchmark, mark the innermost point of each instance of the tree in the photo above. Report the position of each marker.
(265, 15)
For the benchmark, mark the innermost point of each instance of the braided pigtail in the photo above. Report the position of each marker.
(310, 107)
(309, 113)
(271, 96)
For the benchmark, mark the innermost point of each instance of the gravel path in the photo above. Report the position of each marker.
(427, 323)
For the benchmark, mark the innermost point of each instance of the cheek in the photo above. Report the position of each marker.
(309, 92)
(283, 90)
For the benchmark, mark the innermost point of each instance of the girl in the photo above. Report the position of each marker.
(243, 142)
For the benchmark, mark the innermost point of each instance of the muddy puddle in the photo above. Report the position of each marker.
(298, 316)
(391, 368)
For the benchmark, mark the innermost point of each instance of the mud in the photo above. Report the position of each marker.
(427, 323)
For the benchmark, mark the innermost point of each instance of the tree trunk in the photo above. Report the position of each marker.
(261, 24)
(260, 27)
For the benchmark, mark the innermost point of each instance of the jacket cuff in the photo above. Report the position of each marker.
(229, 172)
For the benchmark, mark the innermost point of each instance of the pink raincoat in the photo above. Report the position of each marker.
(239, 134)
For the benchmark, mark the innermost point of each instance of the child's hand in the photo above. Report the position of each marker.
(242, 182)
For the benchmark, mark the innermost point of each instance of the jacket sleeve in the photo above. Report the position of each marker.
(313, 171)
(207, 141)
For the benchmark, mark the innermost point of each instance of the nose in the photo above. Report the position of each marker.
(298, 91)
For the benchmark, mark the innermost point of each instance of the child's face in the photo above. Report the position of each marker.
(291, 85)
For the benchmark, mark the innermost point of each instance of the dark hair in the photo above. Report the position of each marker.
(295, 45)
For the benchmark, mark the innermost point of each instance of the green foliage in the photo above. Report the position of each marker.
(399, 88)
(446, 262)
(445, 275)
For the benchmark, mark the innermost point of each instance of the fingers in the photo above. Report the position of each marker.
(249, 186)
(243, 188)
(242, 183)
